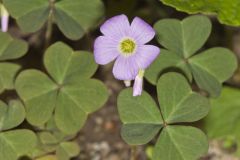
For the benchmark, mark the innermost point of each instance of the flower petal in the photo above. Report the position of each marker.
(145, 55)
(125, 68)
(117, 27)
(141, 31)
(105, 50)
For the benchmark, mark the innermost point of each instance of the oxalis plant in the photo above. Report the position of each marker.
(52, 104)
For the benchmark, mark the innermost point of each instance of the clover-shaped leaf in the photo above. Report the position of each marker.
(178, 103)
(16, 143)
(11, 115)
(69, 93)
(10, 49)
(182, 39)
(221, 8)
(79, 16)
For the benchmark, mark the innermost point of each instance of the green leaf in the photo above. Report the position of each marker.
(16, 143)
(206, 81)
(84, 13)
(178, 103)
(77, 101)
(138, 113)
(139, 134)
(180, 143)
(227, 12)
(11, 48)
(39, 94)
(208, 70)
(211, 61)
(167, 61)
(139, 109)
(67, 150)
(70, 94)
(26, 11)
(47, 138)
(8, 72)
(63, 63)
(67, 25)
(225, 112)
(183, 37)
(73, 19)
(177, 100)
(12, 115)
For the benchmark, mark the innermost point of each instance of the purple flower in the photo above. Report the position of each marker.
(4, 19)
(126, 43)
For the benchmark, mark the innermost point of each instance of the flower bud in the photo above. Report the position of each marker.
(138, 83)
(4, 19)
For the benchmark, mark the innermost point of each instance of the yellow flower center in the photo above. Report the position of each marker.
(127, 46)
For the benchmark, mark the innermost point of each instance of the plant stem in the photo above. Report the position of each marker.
(49, 29)
(133, 153)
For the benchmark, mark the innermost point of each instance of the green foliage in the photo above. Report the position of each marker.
(67, 150)
(10, 48)
(69, 93)
(223, 120)
(16, 143)
(177, 99)
(11, 115)
(49, 142)
(73, 19)
(142, 119)
(138, 114)
(180, 143)
(182, 39)
(226, 11)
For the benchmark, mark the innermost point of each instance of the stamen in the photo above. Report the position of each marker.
(127, 46)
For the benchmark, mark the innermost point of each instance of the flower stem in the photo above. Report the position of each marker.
(133, 153)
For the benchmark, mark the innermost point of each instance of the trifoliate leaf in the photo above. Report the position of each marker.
(182, 39)
(70, 94)
(142, 120)
(73, 19)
